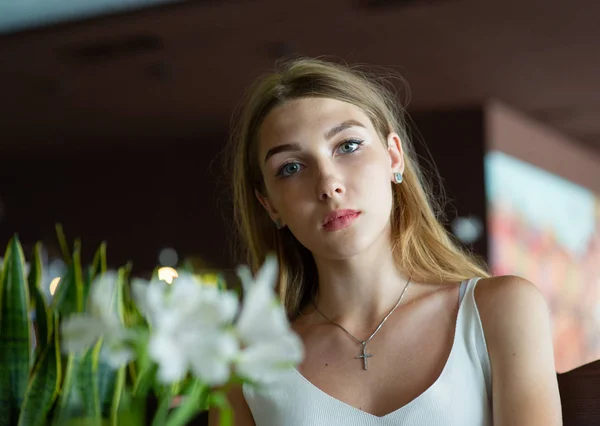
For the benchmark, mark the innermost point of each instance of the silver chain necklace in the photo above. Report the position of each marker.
(363, 343)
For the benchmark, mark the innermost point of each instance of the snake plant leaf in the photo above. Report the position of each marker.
(132, 410)
(145, 374)
(15, 333)
(43, 317)
(120, 374)
(98, 267)
(117, 395)
(161, 415)
(86, 382)
(68, 298)
(219, 399)
(44, 384)
(192, 405)
(62, 241)
(99, 264)
(75, 401)
(107, 380)
(92, 388)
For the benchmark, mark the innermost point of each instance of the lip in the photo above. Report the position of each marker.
(339, 219)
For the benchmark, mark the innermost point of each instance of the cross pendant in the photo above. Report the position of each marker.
(364, 355)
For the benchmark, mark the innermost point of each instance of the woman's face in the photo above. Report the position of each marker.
(320, 156)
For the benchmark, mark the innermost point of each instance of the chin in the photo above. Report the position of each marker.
(343, 248)
(346, 243)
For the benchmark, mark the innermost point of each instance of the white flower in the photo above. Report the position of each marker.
(80, 331)
(271, 346)
(189, 328)
(213, 354)
(268, 361)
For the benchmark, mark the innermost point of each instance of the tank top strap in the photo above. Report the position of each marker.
(475, 330)
(462, 291)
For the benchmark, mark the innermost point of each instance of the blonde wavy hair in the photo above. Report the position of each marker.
(421, 244)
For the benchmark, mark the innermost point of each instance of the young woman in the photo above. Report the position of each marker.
(400, 325)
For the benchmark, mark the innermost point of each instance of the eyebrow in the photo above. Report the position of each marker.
(294, 147)
(341, 127)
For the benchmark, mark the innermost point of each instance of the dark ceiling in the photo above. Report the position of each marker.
(178, 70)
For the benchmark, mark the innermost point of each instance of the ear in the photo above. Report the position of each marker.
(394, 145)
(267, 205)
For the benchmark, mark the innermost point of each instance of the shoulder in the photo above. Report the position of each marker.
(509, 306)
(508, 294)
(516, 325)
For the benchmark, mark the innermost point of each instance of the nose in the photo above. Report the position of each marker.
(330, 186)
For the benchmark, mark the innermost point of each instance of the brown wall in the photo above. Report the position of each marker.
(513, 133)
(455, 140)
(139, 201)
(143, 196)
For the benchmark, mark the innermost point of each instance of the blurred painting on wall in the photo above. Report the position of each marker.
(547, 230)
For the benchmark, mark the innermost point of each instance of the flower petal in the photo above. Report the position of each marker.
(267, 274)
(170, 357)
(213, 355)
(218, 310)
(267, 361)
(149, 297)
(262, 317)
(80, 331)
(103, 292)
(117, 356)
(191, 302)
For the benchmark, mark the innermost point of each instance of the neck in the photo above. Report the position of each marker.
(359, 291)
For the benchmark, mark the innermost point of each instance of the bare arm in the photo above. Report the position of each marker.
(516, 325)
(242, 416)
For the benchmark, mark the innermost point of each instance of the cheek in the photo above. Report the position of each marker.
(375, 188)
(290, 201)
(375, 175)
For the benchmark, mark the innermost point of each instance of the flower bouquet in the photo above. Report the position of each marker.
(109, 349)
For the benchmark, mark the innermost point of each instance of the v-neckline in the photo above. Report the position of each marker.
(418, 397)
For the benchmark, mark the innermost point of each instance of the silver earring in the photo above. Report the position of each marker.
(278, 224)
(398, 177)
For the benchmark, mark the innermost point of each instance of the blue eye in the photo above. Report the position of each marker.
(289, 169)
(350, 146)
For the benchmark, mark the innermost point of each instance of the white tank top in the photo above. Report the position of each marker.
(461, 396)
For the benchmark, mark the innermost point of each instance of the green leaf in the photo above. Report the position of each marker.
(117, 396)
(160, 417)
(132, 410)
(62, 241)
(146, 373)
(98, 267)
(219, 399)
(44, 384)
(193, 403)
(79, 394)
(107, 381)
(89, 387)
(15, 333)
(86, 382)
(111, 381)
(99, 264)
(92, 387)
(68, 298)
(123, 274)
(69, 404)
(43, 316)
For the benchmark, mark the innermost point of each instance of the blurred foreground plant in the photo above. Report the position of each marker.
(107, 345)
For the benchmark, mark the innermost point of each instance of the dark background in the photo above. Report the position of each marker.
(115, 125)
